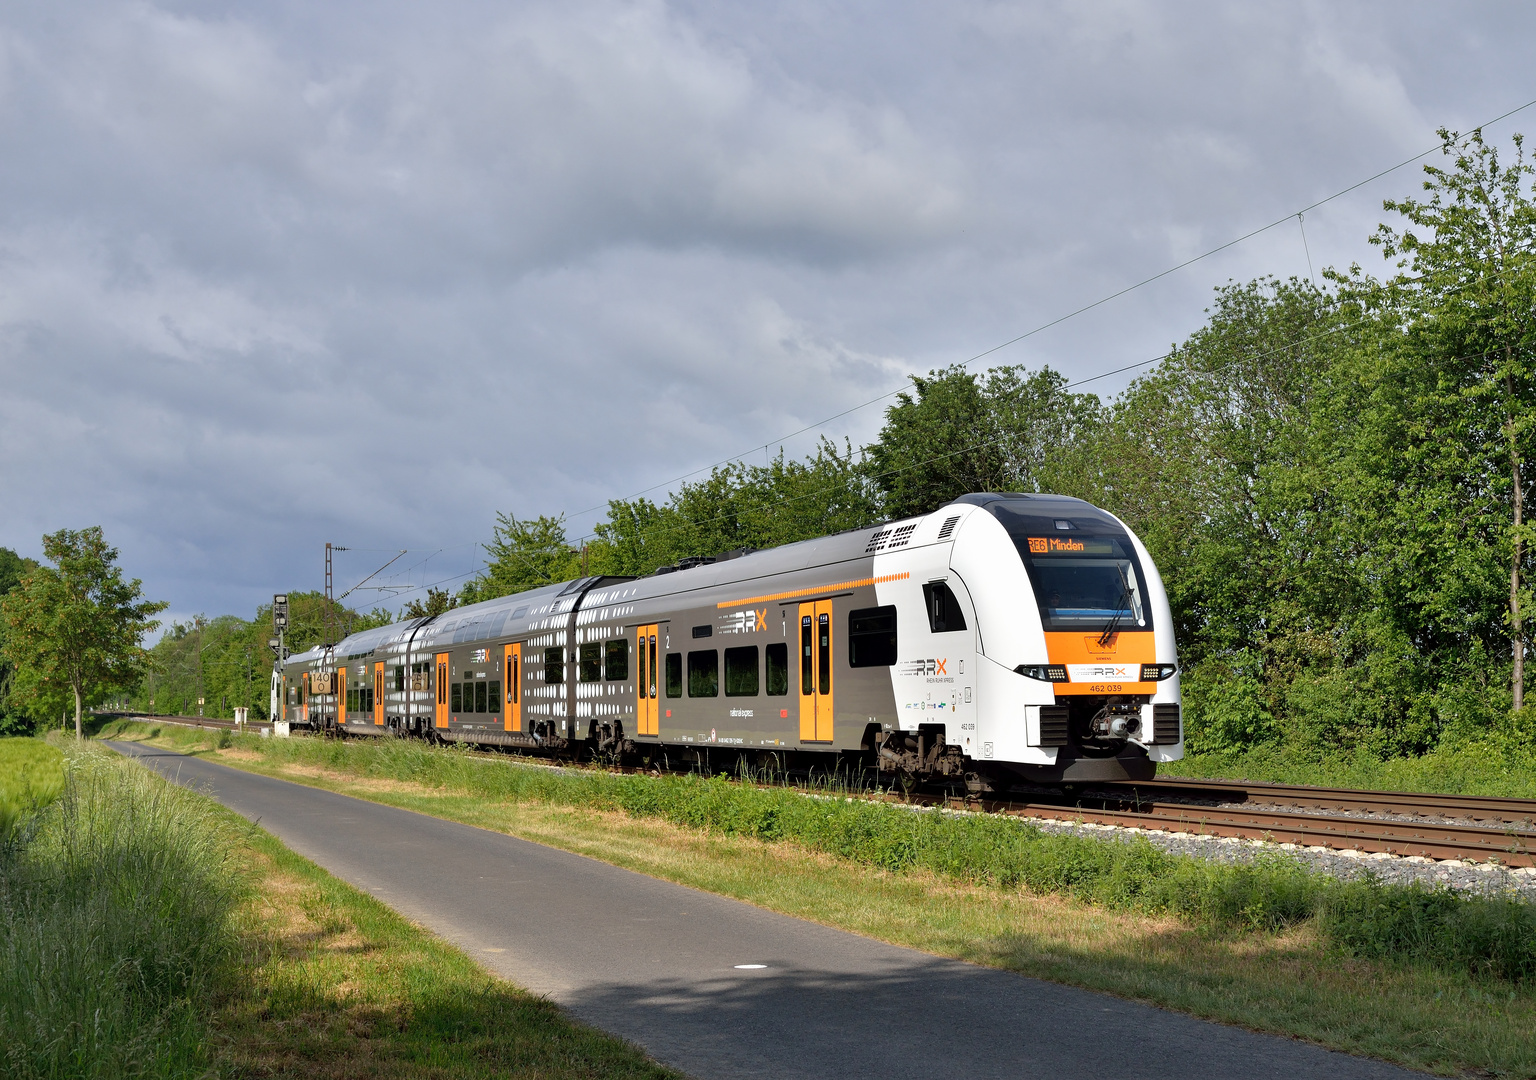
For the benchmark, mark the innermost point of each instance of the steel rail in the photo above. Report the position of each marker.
(1475, 807)
(1509, 847)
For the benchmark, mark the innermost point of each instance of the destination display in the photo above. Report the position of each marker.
(1070, 545)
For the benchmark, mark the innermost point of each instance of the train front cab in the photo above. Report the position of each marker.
(1077, 672)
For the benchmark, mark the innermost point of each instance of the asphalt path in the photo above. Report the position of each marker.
(663, 965)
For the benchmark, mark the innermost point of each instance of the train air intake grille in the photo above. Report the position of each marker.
(948, 527)
(1165, 723)
(902, 534)
(1053, 725)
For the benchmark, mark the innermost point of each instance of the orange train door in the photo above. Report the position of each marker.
(816, 671)
(646, 722)
(304, 697)
(378, 692)
(341, 696)
(442, 690)
(512, 702)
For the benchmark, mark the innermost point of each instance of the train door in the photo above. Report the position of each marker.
(378, 692)
(442, 690)
(646, 722)
(304, 697)
(512, 702)
(341, 696)
(816, 671)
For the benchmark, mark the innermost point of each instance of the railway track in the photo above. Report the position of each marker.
(185, 721)
(1440, 827)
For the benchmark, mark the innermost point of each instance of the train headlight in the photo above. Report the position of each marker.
(1157, 672)
(1043, 672)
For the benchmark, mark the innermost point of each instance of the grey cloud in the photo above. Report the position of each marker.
(369, 273)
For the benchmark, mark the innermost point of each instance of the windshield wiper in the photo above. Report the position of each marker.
(1110, 627)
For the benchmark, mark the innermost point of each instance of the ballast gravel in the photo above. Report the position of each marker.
(1486, 878)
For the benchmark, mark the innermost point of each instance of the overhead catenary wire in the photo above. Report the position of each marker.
(654, 530)
(1440, 146)
(1298, 214)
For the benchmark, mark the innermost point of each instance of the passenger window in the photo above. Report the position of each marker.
(944, 614)
(778, 669)
(552, 666)
(591, 665)
(616, 660)
(399, 678)
(872, 637)
(494, 704)
(741, 671)
(704, 673)
(480, 697)
(674, 674)
(457, 704)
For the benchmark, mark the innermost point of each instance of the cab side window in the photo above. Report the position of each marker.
(944, 614)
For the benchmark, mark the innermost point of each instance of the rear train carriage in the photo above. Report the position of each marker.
(1001, 638)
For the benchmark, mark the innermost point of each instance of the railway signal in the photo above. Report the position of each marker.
(280, 611)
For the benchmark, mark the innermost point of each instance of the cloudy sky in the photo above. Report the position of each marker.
(277, 274)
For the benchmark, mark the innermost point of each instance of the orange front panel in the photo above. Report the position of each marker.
(378, 693)
(441, 685)
(646, 713)
(816, 666)
(1113, 667)
(512, 699)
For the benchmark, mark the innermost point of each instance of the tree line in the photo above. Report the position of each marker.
(1332, 480)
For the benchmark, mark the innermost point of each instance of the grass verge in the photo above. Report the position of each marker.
(146, 931)
(1286, 978)
(115, 926)
(31, 776)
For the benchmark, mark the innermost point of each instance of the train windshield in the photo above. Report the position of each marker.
(1091, 583)
(1086, 576)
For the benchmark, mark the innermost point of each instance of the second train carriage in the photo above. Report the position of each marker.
(1002, 637)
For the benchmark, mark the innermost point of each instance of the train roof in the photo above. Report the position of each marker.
(548, 606)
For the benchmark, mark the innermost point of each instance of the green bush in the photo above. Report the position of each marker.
(115, 931)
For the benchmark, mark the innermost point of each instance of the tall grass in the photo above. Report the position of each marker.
(1486, 935)
(31, 776)
(115, 926)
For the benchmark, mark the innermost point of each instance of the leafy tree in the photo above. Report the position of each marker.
(523, 554)
(737, 507)
(437, 602)
(1457, 383)
(226, 660)
(1007, 431)
(13, 719)
(78, 624)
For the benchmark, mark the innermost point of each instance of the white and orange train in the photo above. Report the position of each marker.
(1002, 638)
